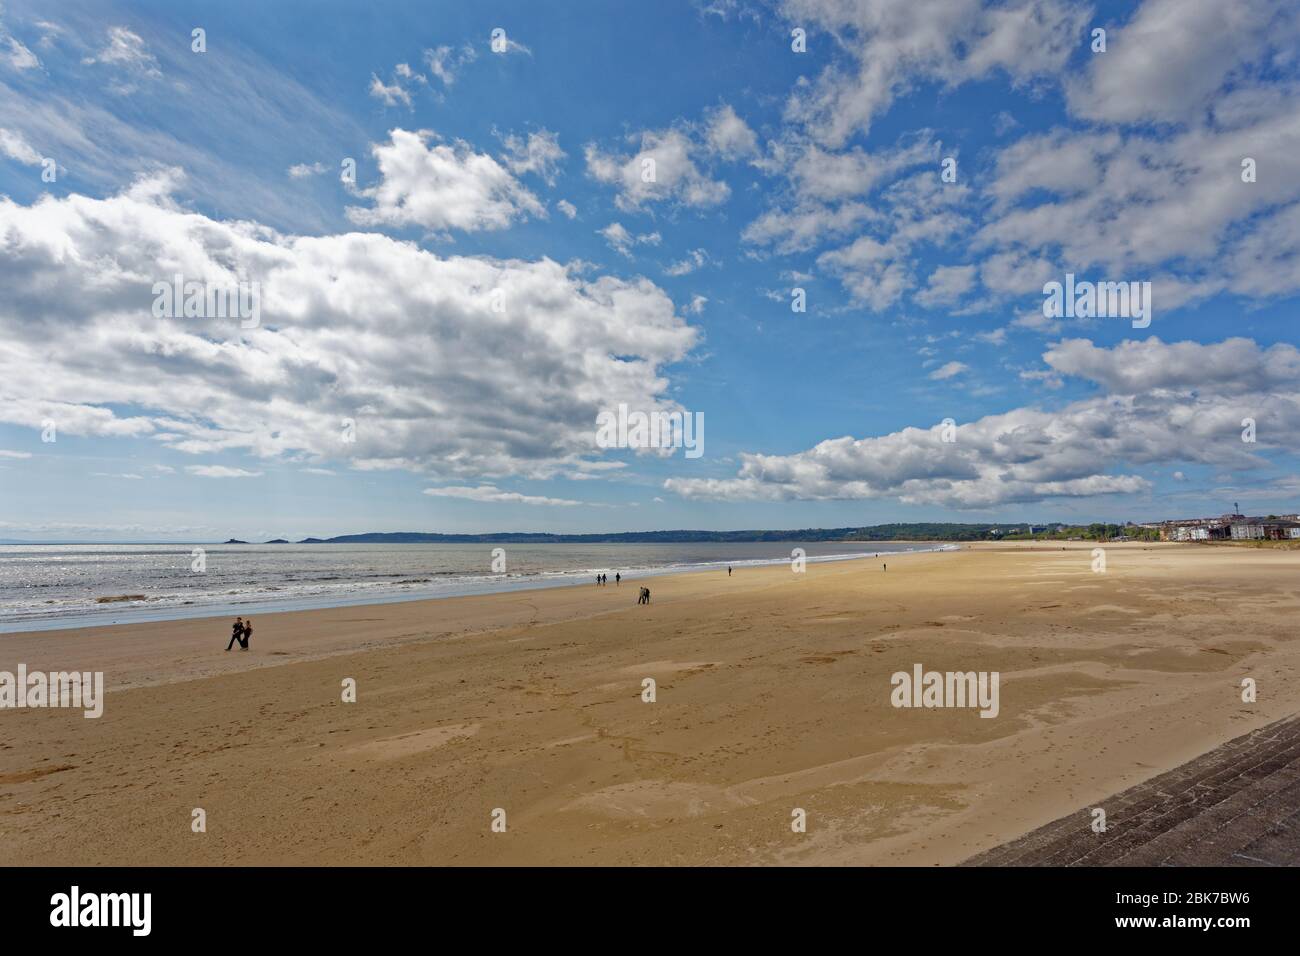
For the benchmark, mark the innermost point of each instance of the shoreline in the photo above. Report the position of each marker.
(773, 693)
(475, 585)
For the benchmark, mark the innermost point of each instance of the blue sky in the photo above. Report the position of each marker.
(518, 172)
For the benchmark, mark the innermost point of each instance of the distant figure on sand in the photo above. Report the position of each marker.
(248, 632)
(617, 578)
(728, 570)
(884, 567)
(645, 596)
(238, 633)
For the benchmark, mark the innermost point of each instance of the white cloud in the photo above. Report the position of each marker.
(540, 153)
(390, 93)
(1172, 209)
(220, 471)
(568, 208)
(618, 238)
(303, 170)
(822, 176)
(1230, 367)
(125, 51)
(15, 55)
(15, 454)
(730, 136)
(1161, 412)
(694, 260)
(494, 494)
(806, 225)
(947, 285)
(663, 169)
(441, 186)
(948, 371)
(405, 343)
(16, 147)
(894, 45)
(1172, 57)
(444, 62)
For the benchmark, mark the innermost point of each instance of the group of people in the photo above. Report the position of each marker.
(241, 631)
(603, 579)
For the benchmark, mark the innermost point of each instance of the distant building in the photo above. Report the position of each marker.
(1200, 529)
(1265, 529)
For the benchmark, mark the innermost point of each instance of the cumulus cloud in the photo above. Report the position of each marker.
(1173, 206)
(877, 268)
(1230, 367)
(730, 136)
(1171, 58)
(806, 225)
(894, 46)
(540, 153)
(438, 185)
(359, 326)
(1144, 183)
(947, 285)
(1158, 409)
(568, 208)
(662, 169)
(618, 238)
(820, 176)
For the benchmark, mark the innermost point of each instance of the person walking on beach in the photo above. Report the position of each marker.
(644, 597)
(236, 633)
(617, 578)
(728, 570)
(248, 632)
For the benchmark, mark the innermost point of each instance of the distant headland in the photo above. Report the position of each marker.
(916, 531)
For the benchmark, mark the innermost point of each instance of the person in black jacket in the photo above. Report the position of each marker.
(236, 633)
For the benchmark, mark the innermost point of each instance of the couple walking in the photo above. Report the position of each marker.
(645, 596)
(240, 631)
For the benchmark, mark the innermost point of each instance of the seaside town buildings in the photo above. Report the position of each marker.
(1233, 527)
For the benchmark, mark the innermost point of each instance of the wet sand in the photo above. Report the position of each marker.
(773, 693)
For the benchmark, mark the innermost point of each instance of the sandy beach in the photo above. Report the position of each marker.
(772, 693)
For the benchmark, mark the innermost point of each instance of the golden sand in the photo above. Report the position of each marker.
(773, 693)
